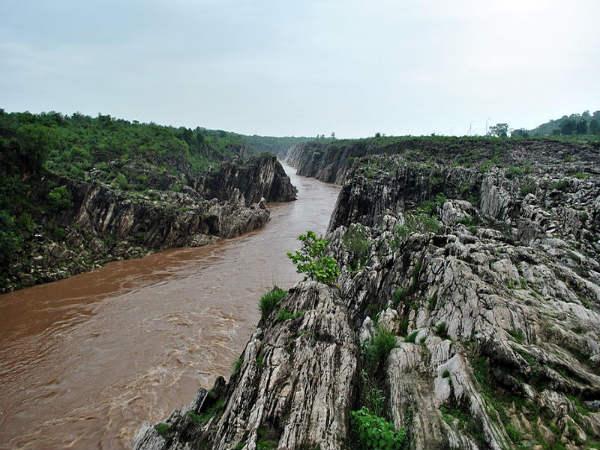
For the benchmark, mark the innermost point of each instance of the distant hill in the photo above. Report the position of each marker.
(573, 124)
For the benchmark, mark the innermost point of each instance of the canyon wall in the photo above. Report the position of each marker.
(467, 315)
(103, 223)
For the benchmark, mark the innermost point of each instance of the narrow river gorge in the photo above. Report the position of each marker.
(84, 360)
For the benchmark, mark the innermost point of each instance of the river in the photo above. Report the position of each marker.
(84, 361)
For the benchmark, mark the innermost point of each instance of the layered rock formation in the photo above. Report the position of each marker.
(260, 177)
(331, 161)
(104, 223)
(487, 279)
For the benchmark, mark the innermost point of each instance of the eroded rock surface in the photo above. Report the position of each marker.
(490, 282)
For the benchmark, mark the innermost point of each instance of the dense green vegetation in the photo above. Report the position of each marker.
(41, 155)
(376, 433)
(575, 124)
(311, 259)
(74, 145)
(270, 300)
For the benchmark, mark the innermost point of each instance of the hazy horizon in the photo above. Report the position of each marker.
(277, 69)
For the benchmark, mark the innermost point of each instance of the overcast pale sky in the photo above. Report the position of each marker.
(278, 67)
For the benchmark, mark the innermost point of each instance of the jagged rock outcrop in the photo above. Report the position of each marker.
(269, 398)
(332, 160)
(260, 177)
(488, 281)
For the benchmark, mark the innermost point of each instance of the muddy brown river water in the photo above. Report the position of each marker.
(84, 361)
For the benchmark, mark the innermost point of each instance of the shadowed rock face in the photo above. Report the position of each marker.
(490, 283)
(105, 224)
(260, 177)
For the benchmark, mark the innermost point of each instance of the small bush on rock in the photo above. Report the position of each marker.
(356, 242)
(378, 348)
(59, 198)
(376, 433)
(312, 260)
(270, 300)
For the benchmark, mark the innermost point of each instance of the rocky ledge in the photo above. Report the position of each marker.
(488, 283)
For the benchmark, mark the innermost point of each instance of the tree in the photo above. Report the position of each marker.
(568, 126)
(595, 126)
(520, 132)
(35, 142)
(312, 260)
(582, 127)
(499, 130)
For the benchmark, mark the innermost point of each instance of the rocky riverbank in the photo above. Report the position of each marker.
(102, 223)
(467, 313)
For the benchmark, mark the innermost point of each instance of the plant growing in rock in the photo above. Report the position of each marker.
(270, 300)
(59, 198)
(376, 433)
(311, 259)
(377, 349)
(163, 429)
(356, 242)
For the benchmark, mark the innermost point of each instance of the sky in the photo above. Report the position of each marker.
(280, 67)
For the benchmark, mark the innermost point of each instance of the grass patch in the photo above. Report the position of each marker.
(411, 337)
(399, 296)
(517, 335)
(270, 300)
(285, 314)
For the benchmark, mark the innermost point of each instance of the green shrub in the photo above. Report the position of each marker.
(237, 366)
(441, 329)
(513, 433)
(419, 222)
(528, 187)
(581, 175)
(209, 413)
(120, 182)
(399, 295)
(59, 198)
(312, 260)
(517, 335)
(163, 429)
(371, 395)
(560, 185)
(377, 349)
(376, 433)
(411, 337)
(270, 300)
(355, 241)
(285, 314)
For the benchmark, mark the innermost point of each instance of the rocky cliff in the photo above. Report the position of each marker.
(103, 223)
(248, 182)
(331, 160)
(467, 315)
